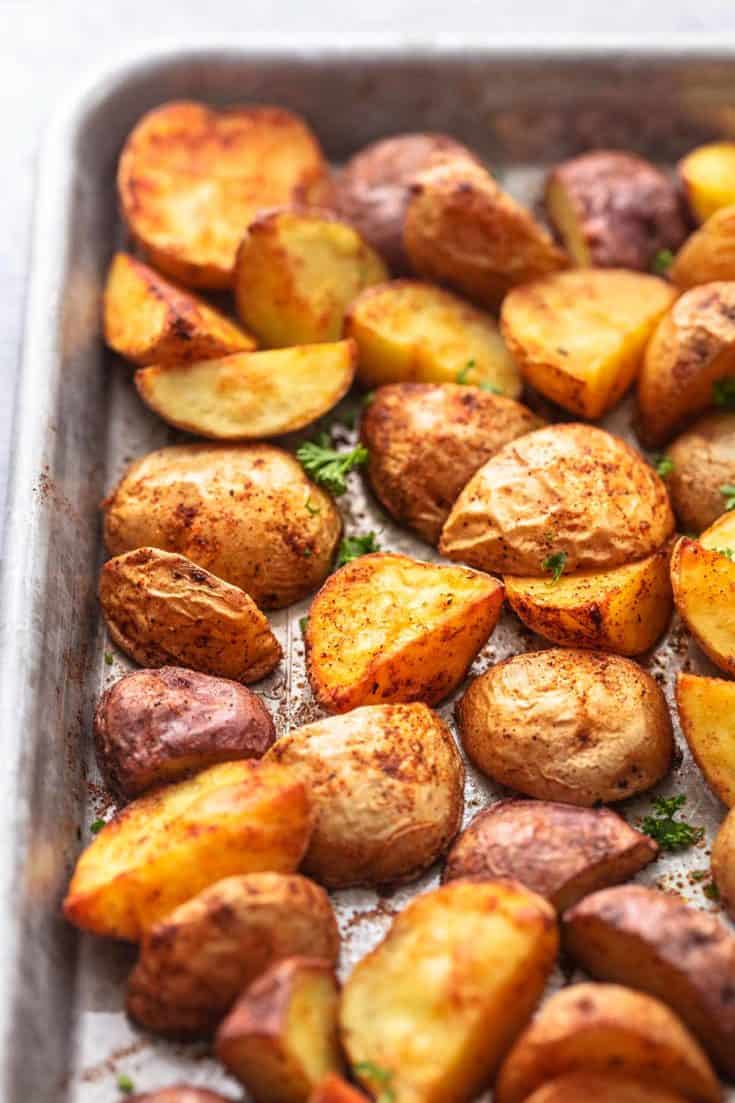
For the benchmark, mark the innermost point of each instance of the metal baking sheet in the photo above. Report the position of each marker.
(63, 1034)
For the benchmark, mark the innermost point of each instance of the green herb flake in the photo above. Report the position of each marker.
(555, 565)
(125, 1084)
(328, 467)
(723, 391)
(368, 399)
(662, 262)
(664, 465)
(699, 875)
(109, 660)
(462, 375)
(489, 387)
(352, 547)
(729, 553)
(97, 826)
(303, 621)
(383, 1078)
(727, 490)
(711, 891)
(311, 508)
(670, 833)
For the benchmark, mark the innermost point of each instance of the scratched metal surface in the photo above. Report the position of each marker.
(63, 1034)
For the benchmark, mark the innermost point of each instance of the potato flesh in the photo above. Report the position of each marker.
(707, 173)
(565, 218)
(707, 714)
(704, 592)
(723, 863)
(721, 533)
(708, 254)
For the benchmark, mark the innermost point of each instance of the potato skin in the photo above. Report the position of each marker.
(153, 726)
(723, 862)
(704, 460)
(557, 850)
(387, 785)
(333, 1089)
(568, 488)
(704, 592)
(603, 1087)
(425, 442)
(708, 254)
(577, 726)
(199, 958)
(238, 511)
(653, 941)
(179, 1093)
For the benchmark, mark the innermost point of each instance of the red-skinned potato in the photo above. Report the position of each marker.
(179, 1093)
(603, 1087)
(333, 1089)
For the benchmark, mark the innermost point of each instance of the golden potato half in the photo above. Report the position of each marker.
(692, 349)
(723, 862)
(703, 461)
(570, 491)
(151, 321)
(603, 1087)
(721, 533)
(297, 272)
(704, 592)
(709, 254)
(438, 1002)
(191, 179)
(386, 782)
(166, 846)
(462, 229)
(426, 440)
(389, 629)
(708, 176)
(250, 395)
(578, 337)
(707, 715)
(624, 610)
(249, 514)
(412, 332)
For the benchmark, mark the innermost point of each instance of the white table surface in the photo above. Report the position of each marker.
(48, 45)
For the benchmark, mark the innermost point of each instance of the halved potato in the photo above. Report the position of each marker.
(606, 1028)
(603, 1087)
(704, 592)
(191, 179)
(386, 628)
(691, 350)
(723, 862)
(708, 175)
(429, 1014)
(707, 715)
(333, 1089)
(703, 461)
(578, 337)
(280, 1038)
(624, 610)
(721, 533)
(151, 321)
(166, 846)
(297, 272)
(709, 254)
(250, 395)
(462, 229)
(412, 332)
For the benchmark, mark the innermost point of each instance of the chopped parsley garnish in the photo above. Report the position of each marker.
(662, 825)
(711, 891)
(109, 660)
(310, 508)
(728, 552)
(462, 376)
(368, 399)
(723, 391)
(303, 621)
(328, 467)
(125, 1084)
(664, 465)
(352, 547)
(662, 262)
(383, 1078)
(97, 826)
(727, 490)
(555, 565)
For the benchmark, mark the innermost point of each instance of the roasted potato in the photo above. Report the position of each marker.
(179, 1093)
(412, 332)
(704, 591)
(577, 726)
(652, 940)
(153, 726)
(333, 1089)
(614, 210)
(389, 629)
(151, 321)
(249, 514)
(190, 179)
(568, 494)
(692, 349)
(579, 337)
(721, 533)
(559, 851)
(723, 862)
(603, 1087)
(280, 1038)
(161, 608)
(250, 395)
(707, 176)
(462, 229)
(703, 461)
(707, 715)
(604, 1028)
(426, 440)
(709, 254)
(166, 846)
(386, 783)
(435, 1006)
(195, 962)
(624, 609)
(374, 187)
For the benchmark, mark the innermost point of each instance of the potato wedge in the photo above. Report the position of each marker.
(190, 179)
(165, 847)
(333, 1089)
(559, 851)
(389, 629)
(653, 941)
(280, 1038)
(435, 1006)
(605, 1028)
(386, 783)
(577, 726)
(297, 272)
(708, 254)
(250, 395)
(247, 513)
(569, 494)
(180, 1093)
(154, 726)
(624, 609)
(426, 440)
(692, 349)
(579, 337)
(707, 176)
(412, 332)
(723, 863)
(603, 1087)
(704, 462)
(195, 963)
(704, 592)
(462, 229)
(721, 533)
(151, 321)
(162, 609)
(707, 715)
(614, 210)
